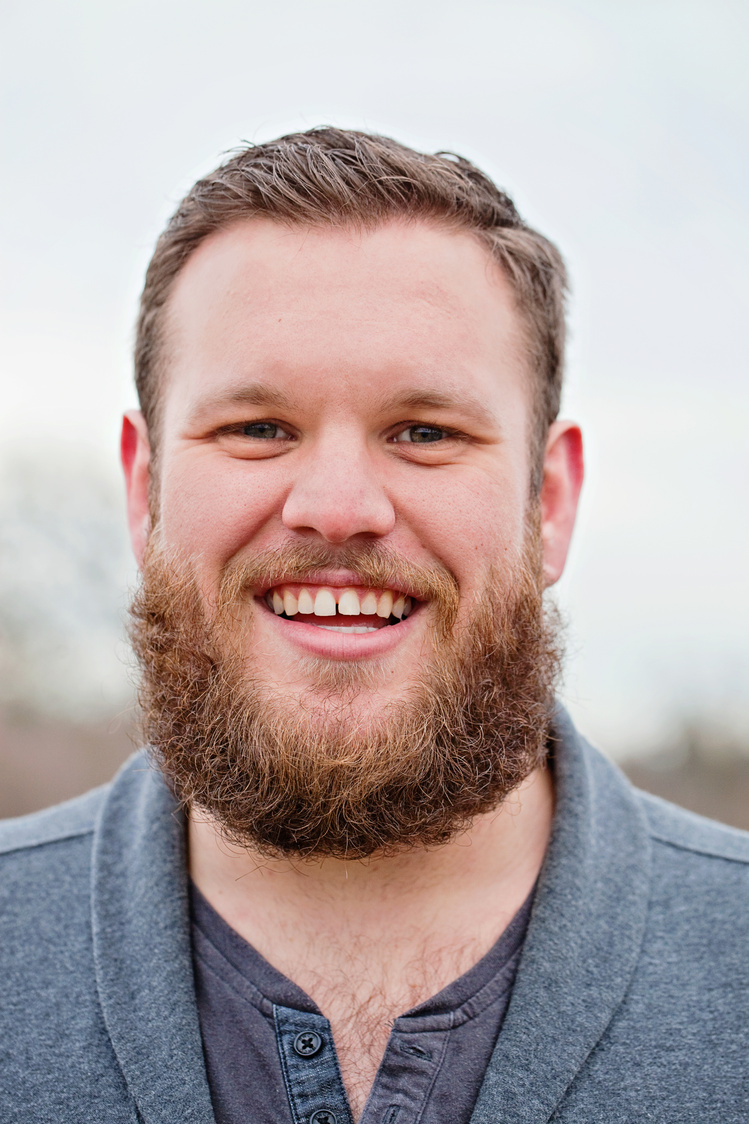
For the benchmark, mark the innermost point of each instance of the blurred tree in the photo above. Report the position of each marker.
(64, 572)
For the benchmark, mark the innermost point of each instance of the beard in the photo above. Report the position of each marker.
(319, 773)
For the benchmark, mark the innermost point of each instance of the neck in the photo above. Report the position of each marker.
(495, 862)
(399, 928)
(461, 894)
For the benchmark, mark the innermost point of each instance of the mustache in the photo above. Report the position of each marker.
(376, 568)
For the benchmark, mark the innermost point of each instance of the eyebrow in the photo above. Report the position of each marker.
(421, 399)
(248, 394)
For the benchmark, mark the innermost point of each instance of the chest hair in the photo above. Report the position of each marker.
(362, 997)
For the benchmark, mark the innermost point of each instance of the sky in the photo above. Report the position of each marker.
(619, 128)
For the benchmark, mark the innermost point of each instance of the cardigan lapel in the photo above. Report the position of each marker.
(142, 949)
(583, 941)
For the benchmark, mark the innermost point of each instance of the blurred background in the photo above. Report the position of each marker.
(620, 129)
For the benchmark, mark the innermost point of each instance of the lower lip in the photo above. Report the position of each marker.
(340, 645)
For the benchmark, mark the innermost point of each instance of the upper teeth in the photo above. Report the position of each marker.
(326, 601)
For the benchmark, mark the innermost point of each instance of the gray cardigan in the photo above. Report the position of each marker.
(630, 1004)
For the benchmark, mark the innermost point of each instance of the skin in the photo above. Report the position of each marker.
(347, 340)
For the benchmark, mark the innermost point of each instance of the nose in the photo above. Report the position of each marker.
(337, 494)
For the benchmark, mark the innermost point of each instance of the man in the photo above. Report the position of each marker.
(371, 872)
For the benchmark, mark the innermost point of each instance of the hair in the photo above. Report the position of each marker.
(340, 178)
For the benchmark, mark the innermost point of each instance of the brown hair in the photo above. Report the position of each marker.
(338, 177)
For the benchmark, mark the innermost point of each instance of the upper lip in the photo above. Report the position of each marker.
(336, 579)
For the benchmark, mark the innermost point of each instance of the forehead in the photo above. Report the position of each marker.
(343, 310)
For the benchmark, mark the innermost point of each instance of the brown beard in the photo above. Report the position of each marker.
(307, 776)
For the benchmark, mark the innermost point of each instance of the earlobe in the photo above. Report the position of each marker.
(560, 492)
(135, 452)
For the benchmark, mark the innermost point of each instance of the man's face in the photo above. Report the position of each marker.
(339, 389)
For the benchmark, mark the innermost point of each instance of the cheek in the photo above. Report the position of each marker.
(213, 510)
(469, 523)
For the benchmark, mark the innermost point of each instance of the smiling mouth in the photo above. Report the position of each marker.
(349, 610)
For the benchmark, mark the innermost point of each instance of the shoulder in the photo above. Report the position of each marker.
(682, 831)
(699, 891)
(697, 867)
(60, 824)
(670, 828)
(45, 904)
(45, 870)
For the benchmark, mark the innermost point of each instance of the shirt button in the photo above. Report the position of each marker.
(323, 1116)
(307, 1045)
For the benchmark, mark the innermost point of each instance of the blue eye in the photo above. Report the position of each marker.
(421, 434)
(263, 430)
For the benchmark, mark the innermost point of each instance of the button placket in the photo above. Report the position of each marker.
(310, 1067)
(406, 1075)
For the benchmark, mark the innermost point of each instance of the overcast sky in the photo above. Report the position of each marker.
(620, 128)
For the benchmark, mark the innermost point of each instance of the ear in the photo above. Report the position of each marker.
(135, 453)
(560, 492)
